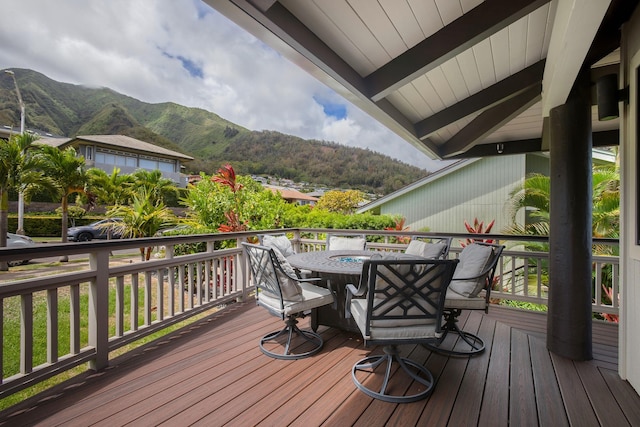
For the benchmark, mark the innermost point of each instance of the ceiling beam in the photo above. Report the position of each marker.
(489, 121)
(494, 94)
(502, 149)
(474, 26)
(609, 138)
(574, 30)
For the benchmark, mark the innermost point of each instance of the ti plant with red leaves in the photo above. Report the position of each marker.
(478, 227)
(609, 294)
(399, 226)
(227, 177)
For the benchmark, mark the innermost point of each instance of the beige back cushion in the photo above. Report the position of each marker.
(473, 260)
(425, 250)
(282, 243)
(346, 243)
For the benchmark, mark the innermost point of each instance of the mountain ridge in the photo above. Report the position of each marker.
(70, 110)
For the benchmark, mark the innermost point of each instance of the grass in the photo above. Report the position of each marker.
(12, 333)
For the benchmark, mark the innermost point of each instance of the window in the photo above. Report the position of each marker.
(165, 166)
(148, 164)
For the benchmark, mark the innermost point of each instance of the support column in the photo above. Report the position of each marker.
(569, 317)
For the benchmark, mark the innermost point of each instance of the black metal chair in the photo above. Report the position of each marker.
(284, 294)
(470, 289)
(429, 247)
(398, 302)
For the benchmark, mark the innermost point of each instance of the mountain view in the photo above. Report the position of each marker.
(68, 110)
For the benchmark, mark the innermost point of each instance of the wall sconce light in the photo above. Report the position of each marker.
(608, 97)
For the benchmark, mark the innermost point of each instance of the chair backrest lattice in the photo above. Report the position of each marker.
(273, 277)
(406, 293)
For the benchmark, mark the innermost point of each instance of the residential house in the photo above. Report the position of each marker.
(293, 196)
(128, 154)
(467, 189)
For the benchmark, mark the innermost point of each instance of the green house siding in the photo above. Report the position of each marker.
(475, 189)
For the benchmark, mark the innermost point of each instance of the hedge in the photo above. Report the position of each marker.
(46, 226)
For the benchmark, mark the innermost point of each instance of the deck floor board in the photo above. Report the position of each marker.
(213, 373)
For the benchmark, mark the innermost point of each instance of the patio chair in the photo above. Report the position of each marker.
(398, 301)
(284, 294)
(429, 247)
(339, 242)
(470, 289)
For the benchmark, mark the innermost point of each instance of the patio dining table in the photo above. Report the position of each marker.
(338, 268)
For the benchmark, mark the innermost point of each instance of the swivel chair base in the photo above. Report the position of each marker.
(465, 344)
(289, 330)
(417, 372)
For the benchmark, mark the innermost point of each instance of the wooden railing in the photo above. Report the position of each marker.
(107, 305)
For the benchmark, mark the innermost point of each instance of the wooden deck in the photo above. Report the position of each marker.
(213, 373)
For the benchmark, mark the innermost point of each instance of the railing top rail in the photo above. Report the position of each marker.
(71, 248)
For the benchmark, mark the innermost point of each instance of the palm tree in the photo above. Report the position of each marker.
(114, 189)
(19, 171)
(68, 176)
(534, 196)
(154, 184)
(144, 217)
(606, 202)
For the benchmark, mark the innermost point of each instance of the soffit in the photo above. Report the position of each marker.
(445, 75)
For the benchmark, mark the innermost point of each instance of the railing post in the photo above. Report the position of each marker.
(99, 309)
(240, 271)
(296, 241)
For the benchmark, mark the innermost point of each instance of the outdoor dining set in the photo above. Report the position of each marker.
(389, 298)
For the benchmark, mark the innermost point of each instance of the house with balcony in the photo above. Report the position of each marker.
(457, 80)
(108, 152)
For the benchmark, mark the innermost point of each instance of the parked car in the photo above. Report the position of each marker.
(16, 241)
(102, 229)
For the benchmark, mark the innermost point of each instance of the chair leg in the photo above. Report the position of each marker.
(414, 370)
(291, 328)
(464, 344)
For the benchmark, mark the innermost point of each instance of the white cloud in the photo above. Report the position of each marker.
(139, 48)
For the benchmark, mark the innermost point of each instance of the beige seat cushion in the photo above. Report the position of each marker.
(311, 296)
(407, 331)
(456, 301)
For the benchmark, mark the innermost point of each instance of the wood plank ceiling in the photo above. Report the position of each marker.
(455, 78)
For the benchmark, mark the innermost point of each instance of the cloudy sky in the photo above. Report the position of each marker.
(185, 52)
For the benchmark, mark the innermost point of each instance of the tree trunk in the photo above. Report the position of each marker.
(4, 224)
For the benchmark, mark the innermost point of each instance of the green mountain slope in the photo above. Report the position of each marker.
(70, 110)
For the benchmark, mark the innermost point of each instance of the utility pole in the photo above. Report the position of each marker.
(20, 229)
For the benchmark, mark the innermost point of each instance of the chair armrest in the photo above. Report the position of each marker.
(308, 279)
(351, 292)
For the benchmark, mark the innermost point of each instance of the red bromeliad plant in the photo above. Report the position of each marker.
(477, 228)
(227, 177)
(399, 226)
